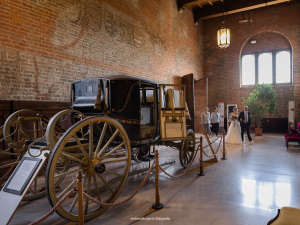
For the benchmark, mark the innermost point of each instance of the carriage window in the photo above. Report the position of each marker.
(149, 95)
(147, 123)
(141, 95)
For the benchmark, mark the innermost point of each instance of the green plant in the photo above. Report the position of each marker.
(261, 102)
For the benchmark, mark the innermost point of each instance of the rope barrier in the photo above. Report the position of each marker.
(183, 172)
(127, 199)
(54, 208)
(216, 151)
(213, 141)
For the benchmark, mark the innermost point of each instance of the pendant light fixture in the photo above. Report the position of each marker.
(223, 36)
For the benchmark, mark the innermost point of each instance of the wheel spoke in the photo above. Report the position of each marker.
(100, 140)
(91, 140)
(115, 160)
(187, 152)
(120, 175)
(88, 192)
(73, 158)
(107, 144)
(73, 203)
(106, 184)
(9, 165)
(96, 186)
(67, 189)
(75, 199)
(112, 151)
(66, 173)
(35, 184)
(81, 147)
(31, 191)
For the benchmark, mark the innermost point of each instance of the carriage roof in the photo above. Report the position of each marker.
(121, 77)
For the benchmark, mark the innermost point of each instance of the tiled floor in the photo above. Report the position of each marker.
(247, 188)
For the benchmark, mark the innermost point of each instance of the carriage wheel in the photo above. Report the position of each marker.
(6, 163)
(54, 130)
(101, 148)
(1, 132)
(34, 129)
(17, 141)
(28, 118)
(187, 152)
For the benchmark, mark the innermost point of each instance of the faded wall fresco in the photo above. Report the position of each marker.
(62, 41)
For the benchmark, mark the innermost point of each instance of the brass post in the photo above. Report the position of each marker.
(201, 158)
(157, 204)
(79, 177)
(224, 157)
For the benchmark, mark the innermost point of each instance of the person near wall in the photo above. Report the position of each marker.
(215, 119)
(205, 120)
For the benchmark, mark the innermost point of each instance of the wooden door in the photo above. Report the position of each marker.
(188, 81)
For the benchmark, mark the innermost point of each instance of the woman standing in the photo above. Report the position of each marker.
(205, 120)
(234, 132)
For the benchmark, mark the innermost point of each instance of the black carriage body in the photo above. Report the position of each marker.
(124, 98)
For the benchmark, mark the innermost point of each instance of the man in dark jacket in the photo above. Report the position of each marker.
(245, 122)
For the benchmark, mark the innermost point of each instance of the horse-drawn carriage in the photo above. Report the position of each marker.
(113, 120)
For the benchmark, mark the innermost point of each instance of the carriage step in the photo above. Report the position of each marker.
(146, 158)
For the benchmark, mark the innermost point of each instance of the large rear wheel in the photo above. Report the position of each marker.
(101, 148)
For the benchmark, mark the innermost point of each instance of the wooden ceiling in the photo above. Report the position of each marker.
(206, 9)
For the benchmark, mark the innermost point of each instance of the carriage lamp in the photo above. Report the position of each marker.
(223, 37)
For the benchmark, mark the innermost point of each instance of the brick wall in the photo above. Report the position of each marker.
(47, 44)
(274, 27)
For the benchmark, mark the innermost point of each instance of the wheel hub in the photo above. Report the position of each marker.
(95, 167)
(99, 168)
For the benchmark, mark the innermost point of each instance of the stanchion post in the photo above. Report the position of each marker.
(79, 177)
(157, 204)
(224, 149)
(201, 158)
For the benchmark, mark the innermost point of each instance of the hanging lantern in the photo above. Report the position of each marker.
(223, 37)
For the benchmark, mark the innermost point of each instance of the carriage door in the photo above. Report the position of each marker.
(172, 112)
(125, 105)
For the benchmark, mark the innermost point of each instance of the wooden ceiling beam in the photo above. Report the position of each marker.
(233, 7)
(181, 3)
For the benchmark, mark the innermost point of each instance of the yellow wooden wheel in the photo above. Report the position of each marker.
(101, 148)
(187, 151)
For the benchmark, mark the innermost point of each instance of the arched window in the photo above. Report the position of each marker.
(267, 60)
